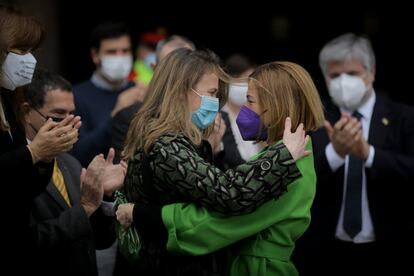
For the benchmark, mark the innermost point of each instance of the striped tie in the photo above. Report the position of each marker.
(59, 182)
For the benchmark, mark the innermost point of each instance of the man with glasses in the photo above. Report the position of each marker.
(65, 217)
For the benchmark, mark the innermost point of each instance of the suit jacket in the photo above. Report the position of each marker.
(64, 237)
(389, 180)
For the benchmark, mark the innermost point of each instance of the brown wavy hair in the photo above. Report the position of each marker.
(17, 31)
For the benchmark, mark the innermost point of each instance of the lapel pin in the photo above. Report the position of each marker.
(385, 121)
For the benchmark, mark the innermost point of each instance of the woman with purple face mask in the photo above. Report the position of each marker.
(262, 242)
(280, 96)
(170, 162)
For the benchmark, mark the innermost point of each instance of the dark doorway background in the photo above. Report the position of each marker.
(264, 32)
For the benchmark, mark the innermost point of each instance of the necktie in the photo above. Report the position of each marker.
(59, 182)
(353, 196)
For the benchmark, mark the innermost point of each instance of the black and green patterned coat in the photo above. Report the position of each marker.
(177, 171)
(180, 174)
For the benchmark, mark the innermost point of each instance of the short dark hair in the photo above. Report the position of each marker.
(108, 30)
(237, 64)
(44, 81)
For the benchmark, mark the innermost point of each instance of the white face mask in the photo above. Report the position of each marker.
(116, 68)
(238, 93)
(150, 60)
(17, 70)
(347, 91)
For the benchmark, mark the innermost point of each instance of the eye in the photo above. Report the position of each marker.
(353, 73)
(56, 119)
(334, 75)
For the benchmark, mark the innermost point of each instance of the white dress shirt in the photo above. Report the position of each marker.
(335, 161)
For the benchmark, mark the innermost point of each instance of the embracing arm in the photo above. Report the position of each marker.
(233, 192)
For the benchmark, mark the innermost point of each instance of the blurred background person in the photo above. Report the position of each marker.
(362, 219)
(108, 91)
(169, 44)
(236, 150)
(145, 55)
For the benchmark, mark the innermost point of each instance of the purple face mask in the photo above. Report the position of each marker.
(249, 125)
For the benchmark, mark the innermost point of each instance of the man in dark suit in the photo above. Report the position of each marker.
(362, 217)
(67, 223)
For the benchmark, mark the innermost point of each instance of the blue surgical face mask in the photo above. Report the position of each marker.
(206, 113)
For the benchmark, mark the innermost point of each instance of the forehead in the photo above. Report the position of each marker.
(345, 66)
(252, 90)
(208, 80)
(113, 43)
(58, 98)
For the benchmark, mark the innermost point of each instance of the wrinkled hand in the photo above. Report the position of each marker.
(54, 138)
(344, 134)
(295, 141)
(124, 214)
(113, 175)
(216, 136)
(129, 97)
(91, 185)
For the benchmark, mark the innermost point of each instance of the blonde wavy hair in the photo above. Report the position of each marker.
(286, 89)
(165, 109)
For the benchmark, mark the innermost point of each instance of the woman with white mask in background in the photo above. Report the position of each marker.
(25, 169)
(239, 67)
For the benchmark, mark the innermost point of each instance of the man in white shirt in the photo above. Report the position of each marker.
(362, 214)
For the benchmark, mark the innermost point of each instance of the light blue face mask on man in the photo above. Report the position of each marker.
(206, 113)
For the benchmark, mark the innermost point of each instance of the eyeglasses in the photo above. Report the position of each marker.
(54, 119)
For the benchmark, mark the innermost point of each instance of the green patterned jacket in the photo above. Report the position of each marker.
(180, 174)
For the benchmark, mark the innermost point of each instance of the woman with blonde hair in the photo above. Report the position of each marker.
(168, 160)
(259, 243)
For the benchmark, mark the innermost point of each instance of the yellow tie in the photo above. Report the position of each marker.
(59, 182)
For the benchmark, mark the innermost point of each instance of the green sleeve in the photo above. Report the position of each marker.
(193, 230)
(233, 192)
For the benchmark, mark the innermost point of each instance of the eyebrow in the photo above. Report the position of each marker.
(116, 49)
(250, 97)
(61, 110)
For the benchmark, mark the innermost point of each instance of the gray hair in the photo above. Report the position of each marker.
(181, 42)
(346, 47)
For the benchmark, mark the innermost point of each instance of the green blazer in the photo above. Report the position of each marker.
(261, 242)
